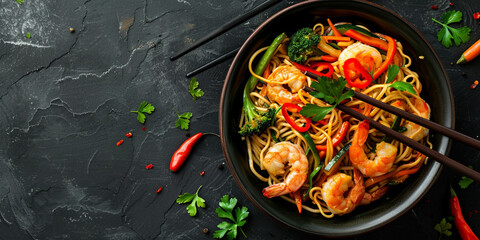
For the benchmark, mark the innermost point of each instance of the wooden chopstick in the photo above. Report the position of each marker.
(414, 118)
(230, 24)
(212, 63)
(466, 171)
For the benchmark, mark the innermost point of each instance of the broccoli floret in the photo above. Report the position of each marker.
(303, 44)
(255, 122)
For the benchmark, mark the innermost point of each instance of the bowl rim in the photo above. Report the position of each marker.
(431, 177)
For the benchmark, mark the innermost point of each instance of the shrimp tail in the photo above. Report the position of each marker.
(358, 191)
(298, 200)
(362, 133)
(275, 190)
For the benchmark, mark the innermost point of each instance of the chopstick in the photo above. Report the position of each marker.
(414, 118)
(212, 63)
(230, 24)
(466, 171)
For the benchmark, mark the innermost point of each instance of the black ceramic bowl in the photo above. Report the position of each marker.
(437, 91)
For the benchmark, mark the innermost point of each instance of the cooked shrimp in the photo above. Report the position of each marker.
(334, 189)
(294, 79)
(275, 161)
(385, 153)
(377, 194)
(415, 131)
(369, 57)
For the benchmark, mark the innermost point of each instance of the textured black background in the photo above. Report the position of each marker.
(65, 100)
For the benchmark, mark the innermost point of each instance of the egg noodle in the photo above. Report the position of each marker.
(338, 191)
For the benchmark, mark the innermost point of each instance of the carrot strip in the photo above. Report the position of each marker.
(334, 29)
(374, 42)
(328, 58)
(392, 49)
(267, 71)
(471, 53)
(336, 38)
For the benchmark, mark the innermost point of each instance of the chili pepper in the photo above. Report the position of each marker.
(338, 137)
(434, 7)
(290, 106)
(322, 66)
(355, 74)
(337, 157)
(120, 142)
(149, 166)
(128, 135)
(304, 68)
(143, 128)
(476, 15)
(451, 4)
(463, 229)
(182, 153)
(202, 173)
(391, 51)
(159, 190)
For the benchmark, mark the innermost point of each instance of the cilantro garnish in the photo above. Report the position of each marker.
(465, 181)
(143, 108)
(20, 1)
(226, 211)
(404, 86)
(194, 90)
(392, 72)
(444, 228)
(193, 199)
(329, 90)
(459, 35)
(183, 120)
(28, 35)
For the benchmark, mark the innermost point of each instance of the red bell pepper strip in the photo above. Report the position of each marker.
(289, 107)
(392, 49)
(182, 153)
(322, 66)
(338, 137)
(304, 68)
(464, 230)
(355, 74)
(374, 42)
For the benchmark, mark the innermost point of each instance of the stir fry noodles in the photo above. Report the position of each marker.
(308, 152)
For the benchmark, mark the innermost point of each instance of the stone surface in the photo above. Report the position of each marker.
(65, 100)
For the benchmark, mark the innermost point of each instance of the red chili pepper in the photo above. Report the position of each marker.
(355, 74)
(160, 189)
(143, 128)
(304, 68)
(202, 173)
(476, 15)
(451, 4)
(119, 142)
(338, 137)
(128, 135)
(182, 153)
(434, 7)
(392, 49)
(149, 166)
(289, 107)
(464, 230)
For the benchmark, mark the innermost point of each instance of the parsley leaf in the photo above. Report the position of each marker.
(20, 1)
(392, 72)
(329, 90)
(444, 227)
(404, 86)
(28, 35)
(447, 33)
(143, 108)
(183, 120)
(465, 181)
(194, 199)
(225, 210)
(194, 90)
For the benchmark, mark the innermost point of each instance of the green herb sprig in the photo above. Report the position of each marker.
(142, 109)
(194, 90)
(447, 33)
(183, 121)
(444, 228)
(194, 200)
(225, 210)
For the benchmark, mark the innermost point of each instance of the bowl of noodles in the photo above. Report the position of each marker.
(290, 150)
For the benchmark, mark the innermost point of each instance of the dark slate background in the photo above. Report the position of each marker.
(65, 100)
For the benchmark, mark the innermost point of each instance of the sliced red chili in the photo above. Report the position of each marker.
(321, 67)
(355, 74)
(149, 166)
(159, 190)
(128, 135)
(119, 142)
(476, 15)
(304, 68)
(338, 137)
(295, 108)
